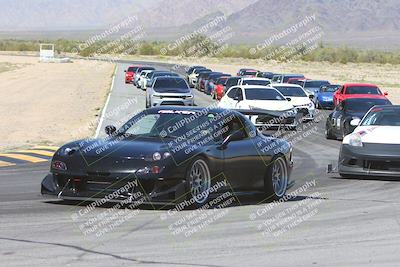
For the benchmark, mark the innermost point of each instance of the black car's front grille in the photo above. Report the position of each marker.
(172, 103)
(382, 165)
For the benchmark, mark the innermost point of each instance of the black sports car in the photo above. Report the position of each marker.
(338, 122)
(172, 154)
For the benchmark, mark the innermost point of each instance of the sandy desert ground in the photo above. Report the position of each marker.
(49, 103)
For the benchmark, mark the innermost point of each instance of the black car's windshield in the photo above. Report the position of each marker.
(256, 82)
(222, 81)
(315, 84)
(291, 91)
(353, 90)
(263, 94)
(363, 105)
(249, 72)
(382, 117)
(164, 125)
(164, 84)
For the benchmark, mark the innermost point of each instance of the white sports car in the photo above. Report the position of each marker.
(261, 98)
(373, 149)
(298, 98)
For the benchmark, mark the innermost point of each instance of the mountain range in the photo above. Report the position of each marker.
(373, 23)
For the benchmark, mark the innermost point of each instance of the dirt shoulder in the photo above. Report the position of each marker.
(50, 103)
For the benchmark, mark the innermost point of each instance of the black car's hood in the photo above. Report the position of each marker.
(119, 146)
(102, 155)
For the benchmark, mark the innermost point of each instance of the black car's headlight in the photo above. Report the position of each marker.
(158, 156)
(67, 151)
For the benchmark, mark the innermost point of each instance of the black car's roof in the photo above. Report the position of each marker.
(366, 100)
(388, 107)
(169, 78)
(163, 71)
(146, 68)
(316, 81)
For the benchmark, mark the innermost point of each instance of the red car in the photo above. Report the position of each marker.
(130, 73)
(219, 88)
(357, 90)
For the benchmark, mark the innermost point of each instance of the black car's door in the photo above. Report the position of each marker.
(244, 168)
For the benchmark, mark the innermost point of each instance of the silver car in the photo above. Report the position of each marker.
(172, 91)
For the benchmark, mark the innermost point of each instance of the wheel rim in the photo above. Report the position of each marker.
(200, 181)
(279, 177)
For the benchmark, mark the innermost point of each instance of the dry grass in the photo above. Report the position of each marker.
(7, 66)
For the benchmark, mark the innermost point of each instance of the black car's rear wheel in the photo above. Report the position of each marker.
(199, 182)
(277, 178)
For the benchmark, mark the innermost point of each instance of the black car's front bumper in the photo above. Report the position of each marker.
(151, 188)
(370, 160)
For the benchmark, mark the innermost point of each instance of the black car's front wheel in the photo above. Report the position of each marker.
(328, 132)
(199, 182)
(277, 179)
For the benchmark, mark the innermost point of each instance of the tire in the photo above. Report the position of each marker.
(346, 130)
(276, 179)
(344, 175)
(328, 132)
(198, 183)
(147, 103)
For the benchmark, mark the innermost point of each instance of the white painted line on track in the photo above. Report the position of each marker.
(106, 104)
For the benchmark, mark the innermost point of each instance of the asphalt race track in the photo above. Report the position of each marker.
(336, 222)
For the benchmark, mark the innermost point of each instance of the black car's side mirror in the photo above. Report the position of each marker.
(236, 136)
(311, 97)
(110, 130)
